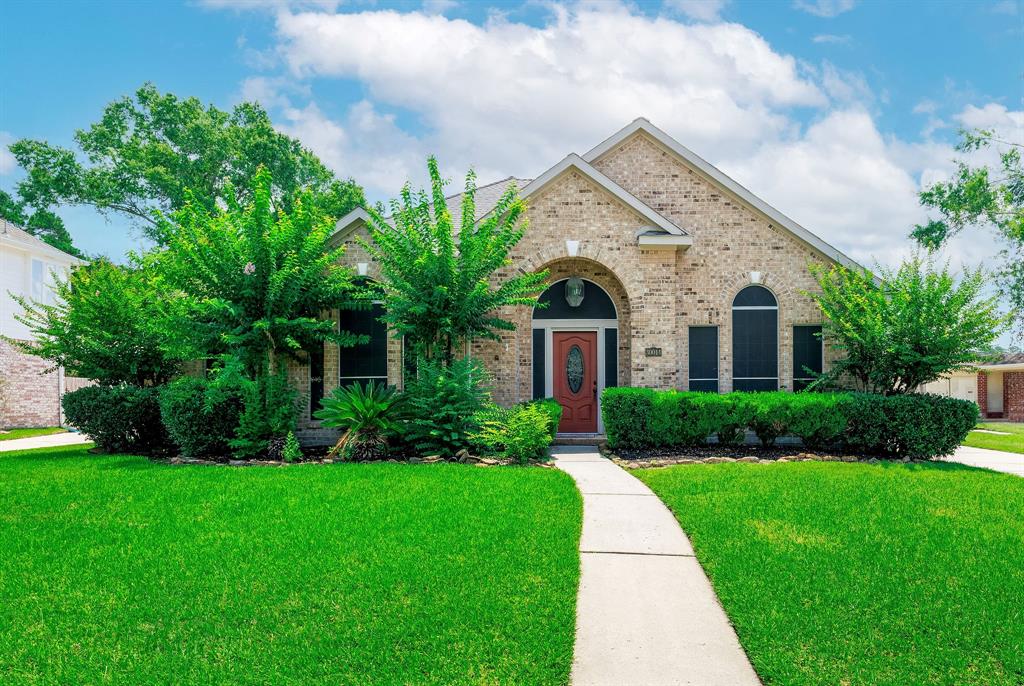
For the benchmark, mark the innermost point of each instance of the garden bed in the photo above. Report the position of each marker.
(320, 455)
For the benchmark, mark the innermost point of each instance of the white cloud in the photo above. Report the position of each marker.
(273, 5)
(1008, 123)
(700, 10)
(824, 8)
(832, 38)
(7, 161)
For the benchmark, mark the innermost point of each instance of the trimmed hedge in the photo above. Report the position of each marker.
(916, 425)
(119, 419)
(201, 422)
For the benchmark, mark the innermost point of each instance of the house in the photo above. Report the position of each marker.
(997, 387)
(665, 272)
(29, 397)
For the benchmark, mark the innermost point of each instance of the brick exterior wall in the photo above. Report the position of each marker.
(28, 396)
(1013, 396)
(658, 293)
(983, 394)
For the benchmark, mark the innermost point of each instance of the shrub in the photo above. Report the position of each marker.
(439, 406)
(818, 419)
(626, 414)
(867, 427)
(522, 432)
(738, 414)
(120, 419)
(365, 414)
(292, 450)
(926, 426)
(200, 420)
(553, 409)
(268, 411)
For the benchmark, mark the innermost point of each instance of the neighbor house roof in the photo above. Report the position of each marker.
(1005, 362)
(17, 237)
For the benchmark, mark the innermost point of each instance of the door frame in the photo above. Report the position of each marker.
(569, 325)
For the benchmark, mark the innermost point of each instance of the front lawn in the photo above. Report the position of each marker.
(862, 574)
(114, 569)
(13, 434)
(1010, 437)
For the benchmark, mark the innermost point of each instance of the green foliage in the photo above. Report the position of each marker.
(440, 404)
(269, 408)
(520, 433)
(43, 224)
(292, 449)
(156, 152)
(365, 414)
(913, 325)
(553, 409)
(909, 425)
(105, 325)
(254, 281)
(441, 290)
(984, 198)
(201, 420)
(119, 419)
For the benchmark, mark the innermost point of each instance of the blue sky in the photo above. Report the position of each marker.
(835, 111)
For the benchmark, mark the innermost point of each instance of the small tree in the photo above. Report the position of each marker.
(104, 325)
(441, 289)
(912, 326)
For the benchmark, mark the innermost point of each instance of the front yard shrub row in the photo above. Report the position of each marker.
(918, 426)
(200, 420)
(119, 419)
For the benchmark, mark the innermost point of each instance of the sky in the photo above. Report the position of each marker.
(836, 112)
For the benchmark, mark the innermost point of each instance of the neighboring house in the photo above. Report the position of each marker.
(28, 267)
(997, 387)
(664, 273)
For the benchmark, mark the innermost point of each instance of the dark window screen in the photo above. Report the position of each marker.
(755, 340)
(538, 363)
(316, 378)
(704, 358)
(367, 361)
(806, 355)
(611, 358)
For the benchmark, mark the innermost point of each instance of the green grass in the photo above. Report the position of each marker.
(862, 574)
(1013, 443)
(12, 434)
(117, 570)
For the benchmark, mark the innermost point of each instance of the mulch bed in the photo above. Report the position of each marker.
(318, 455)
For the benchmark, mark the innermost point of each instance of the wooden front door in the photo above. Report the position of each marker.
(574, 356)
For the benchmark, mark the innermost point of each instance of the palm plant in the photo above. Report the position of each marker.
(365, 414)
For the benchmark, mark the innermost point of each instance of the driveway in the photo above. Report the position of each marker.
(996, 460)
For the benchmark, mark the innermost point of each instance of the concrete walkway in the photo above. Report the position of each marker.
(51, 441)
(997, 460)
(646, 613)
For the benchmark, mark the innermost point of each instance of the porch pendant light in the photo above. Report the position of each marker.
(574, 291)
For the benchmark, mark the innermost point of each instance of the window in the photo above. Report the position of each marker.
(316, 378)
(755, 340)
(807, 354)
(704, 358)
(369, 361)
(38, 283)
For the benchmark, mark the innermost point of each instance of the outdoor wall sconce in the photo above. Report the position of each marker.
(572, 248)
(574, 291)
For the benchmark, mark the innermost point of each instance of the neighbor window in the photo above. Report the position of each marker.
(704, 358)
(38, 281)
(807, 354)
(755, 340)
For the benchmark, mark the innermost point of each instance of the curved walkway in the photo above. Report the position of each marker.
(646, 613)
(48, 441)
(996, 460)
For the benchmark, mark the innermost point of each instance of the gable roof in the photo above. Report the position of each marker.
(15, 236)
(715, 175)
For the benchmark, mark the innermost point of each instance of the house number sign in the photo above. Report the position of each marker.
(652, 352)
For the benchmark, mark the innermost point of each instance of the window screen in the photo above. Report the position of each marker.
(704, 358)
(807, 354)
(755, 340)
(368, 361)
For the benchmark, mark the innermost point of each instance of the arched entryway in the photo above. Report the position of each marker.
(575, 350)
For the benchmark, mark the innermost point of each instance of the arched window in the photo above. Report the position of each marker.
(364, 363)
(755, 340)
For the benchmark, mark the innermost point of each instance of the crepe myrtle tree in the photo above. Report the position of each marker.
(911, 325)
(443, 287)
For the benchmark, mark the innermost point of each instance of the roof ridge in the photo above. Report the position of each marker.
(511, 177)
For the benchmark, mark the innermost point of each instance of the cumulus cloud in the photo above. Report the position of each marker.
(825, 8)
(700, 10)
(1008, 123)
(832, 38)
(7, 162)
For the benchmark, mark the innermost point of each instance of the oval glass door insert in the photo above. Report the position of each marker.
(574, 369)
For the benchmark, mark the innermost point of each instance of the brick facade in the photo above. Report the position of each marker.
(1013, 396)
(29, 397)
(983, 393)
(658, 293)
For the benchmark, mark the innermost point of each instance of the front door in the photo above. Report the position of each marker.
(574, 356)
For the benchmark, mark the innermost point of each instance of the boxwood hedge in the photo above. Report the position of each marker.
(915, 425)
